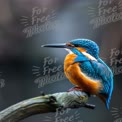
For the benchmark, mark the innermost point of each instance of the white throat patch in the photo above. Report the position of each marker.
(69, 51)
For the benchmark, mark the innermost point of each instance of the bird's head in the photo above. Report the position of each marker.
(78, 46)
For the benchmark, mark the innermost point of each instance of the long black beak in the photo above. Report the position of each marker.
(62, 45)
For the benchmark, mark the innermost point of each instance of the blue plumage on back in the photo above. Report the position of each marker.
(97, 70)
(107, 79)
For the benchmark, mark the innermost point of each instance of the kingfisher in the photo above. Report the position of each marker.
(86, 70)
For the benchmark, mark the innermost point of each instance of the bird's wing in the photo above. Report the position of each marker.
(103, 71)
(81, 58)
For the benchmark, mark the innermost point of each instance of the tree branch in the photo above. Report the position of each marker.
(45, 104)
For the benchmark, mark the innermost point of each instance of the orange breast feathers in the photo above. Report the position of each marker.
(75, 75)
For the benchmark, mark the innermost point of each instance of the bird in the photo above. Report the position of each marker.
(86, 70)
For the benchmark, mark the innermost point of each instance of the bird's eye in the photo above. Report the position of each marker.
(76, 45)
(70, 45)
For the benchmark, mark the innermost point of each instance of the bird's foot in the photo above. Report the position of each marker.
(76, 88)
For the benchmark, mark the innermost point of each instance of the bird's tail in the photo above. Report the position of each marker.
(105, 99)
(109, 97)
